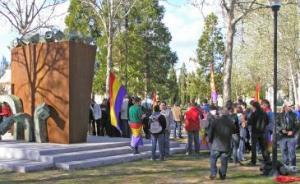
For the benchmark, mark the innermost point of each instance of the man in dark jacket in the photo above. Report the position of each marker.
(287, 129)
(158, 136)
(220, 135)
(259, 122)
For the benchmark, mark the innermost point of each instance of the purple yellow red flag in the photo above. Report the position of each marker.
(117, 92)
(214, 94)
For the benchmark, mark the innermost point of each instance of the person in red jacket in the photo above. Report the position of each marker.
(192, 127)
(5, 110)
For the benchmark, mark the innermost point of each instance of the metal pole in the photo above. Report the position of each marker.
(274, 150)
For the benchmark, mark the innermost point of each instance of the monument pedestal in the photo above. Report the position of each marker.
(59, 74)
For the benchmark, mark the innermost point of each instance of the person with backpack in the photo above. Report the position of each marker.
(157, 128)
(259, 122)
(192, 126)
(287, 128)
(220, 134)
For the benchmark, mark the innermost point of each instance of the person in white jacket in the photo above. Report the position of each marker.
(164, 110)
(124, 118)
(97, 117)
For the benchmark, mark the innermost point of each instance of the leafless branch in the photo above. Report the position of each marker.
(224, 5)
(98, 8)
(27, 16)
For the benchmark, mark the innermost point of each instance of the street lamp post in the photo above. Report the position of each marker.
(275, 5)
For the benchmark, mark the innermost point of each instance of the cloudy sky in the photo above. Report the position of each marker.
(184, 21)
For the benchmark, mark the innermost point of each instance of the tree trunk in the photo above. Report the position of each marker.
(298, 88)
(294, 86)
(228, 60)
(146, 74)
(109, 48)
(298, 72)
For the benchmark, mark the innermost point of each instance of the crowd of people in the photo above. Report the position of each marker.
(230, 131)
(235, 129)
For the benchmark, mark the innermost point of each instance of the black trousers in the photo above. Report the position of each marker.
(92, 127)
(100, 127)
(146, 128)
(260, 139)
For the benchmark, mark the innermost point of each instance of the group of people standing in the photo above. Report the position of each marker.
(158, 125)
(99, 120)
(231, 131)
(235, 129)
(136, 118)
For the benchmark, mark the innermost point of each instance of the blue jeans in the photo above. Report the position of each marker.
(193, 136)
(235, 147)
(160, 139)
(177, 126)
(214, 155)
(167, 143)
(241, 150)
(288, 150)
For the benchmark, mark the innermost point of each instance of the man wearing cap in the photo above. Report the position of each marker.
(287, 128)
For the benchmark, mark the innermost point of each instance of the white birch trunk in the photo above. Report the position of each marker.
(109, 47)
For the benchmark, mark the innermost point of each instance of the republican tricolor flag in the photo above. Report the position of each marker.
(117, 93)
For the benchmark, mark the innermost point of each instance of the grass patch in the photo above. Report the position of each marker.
(177, 169)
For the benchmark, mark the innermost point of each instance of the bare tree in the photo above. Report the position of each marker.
(234, 11)
(27, 16)
(107, 11)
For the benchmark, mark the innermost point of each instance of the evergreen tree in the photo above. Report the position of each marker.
(172, 93)
(210, 51)
(183, 85)
(149, 55)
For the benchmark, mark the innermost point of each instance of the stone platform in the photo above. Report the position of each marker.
(98, 151)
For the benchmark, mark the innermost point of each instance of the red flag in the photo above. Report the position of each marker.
(154, 98)
(286, 179)
(257, 92)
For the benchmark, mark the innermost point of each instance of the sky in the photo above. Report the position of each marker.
(8, 34)
(185, 23)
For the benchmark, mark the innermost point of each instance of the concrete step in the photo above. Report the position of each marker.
(83, 147)
(88, 163)
(97, 153)
(33, 151)
(24, 166)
